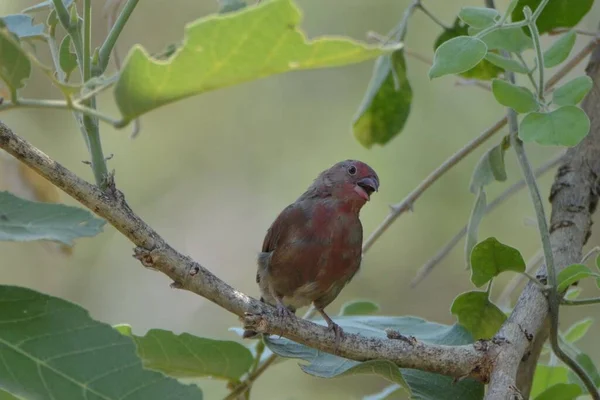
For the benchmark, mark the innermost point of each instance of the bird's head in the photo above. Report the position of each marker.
(349, 181)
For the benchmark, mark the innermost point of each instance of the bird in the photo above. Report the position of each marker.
(314, 247)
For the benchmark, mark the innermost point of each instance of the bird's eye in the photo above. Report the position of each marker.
(352, 170)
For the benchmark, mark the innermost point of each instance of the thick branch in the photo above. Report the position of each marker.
(154, 252)
(574, 198)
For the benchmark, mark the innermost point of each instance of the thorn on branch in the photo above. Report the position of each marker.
(482, 345)
(109, 157)
(86, 162)
(394, 334)
(194, 270)
(145, 257)
(176, 285)
(254, 322)
(542, 278)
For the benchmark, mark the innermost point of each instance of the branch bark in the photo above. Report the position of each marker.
(155, 253)
(574, 197)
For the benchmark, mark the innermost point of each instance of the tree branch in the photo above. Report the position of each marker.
(457, 361)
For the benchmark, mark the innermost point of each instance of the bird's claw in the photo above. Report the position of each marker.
(339, 334)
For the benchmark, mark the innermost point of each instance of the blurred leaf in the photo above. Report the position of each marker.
(572, 274)
(547, 376)
(588, 365)
(8, 396)
(359, 307)
(560, 50)
(484, 70)
(573, 293)
(519, 98)
(478, 17)
(565, 126)
(44, 5)
(457, 55)
(578, 330)
(22, 26)
(511, 6)
(224, 50)
(386, 105)
(22, 221)
(512, 40)
(506, 63)
(556, 14)
(385, 393)
(68, 59)
(490, 258)
(15, 66)
(188, 356)
(52, 349)
(560, 391)
(422, 384)
(490, 167)
(226, 6)
(475, 218)
(478, 314)
(572, 92)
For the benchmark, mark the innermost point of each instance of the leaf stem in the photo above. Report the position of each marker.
(580, 302)
(432, 17)
(535, 36)
(113, 35)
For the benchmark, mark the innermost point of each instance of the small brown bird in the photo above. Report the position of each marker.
(314, 247)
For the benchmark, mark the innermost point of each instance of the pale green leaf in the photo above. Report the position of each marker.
(15, 66)
(490, 167)
(506, 63)
(572, 92)
(478, 17)
(573, 293)
(519, 98)
(359, 307)
(560, 391)
(475, 219)
(512, 40)
(23, 220)
(565, 126)
(226, 6)
(478, 314)
(227, 49)
(547, 376)
(457, 55)
(52, 349)
(578, 330)
(22, 26)
(572, 274)
(560, 50)
(490, 258)
(44, 5)
(67, 59)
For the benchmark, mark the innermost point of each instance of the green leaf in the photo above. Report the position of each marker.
(359, 307)
(226, 6)
(67, 59)
(188, 356)
(506, 63)
(23, 220)
(457, 55)
(578, 330)
(475, 218)
(22, 26)
(511, 6)
(15, 66)
(478, 17)
(512, 40)
(565, 126)
(490, 167)
(588, 365)
(44, 5)
(573, 293)
(52, 349)
(422, 384)
(385, 393)
(478, 314)
(547, 376)
(572, 92)
(556, 14)
(490, 258)
(560, 391)
(519, 98)
(485, 70)
(386, 105)
(572, 274)
(560, 50)
(223, 50)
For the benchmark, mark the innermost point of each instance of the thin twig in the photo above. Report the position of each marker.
(424, 271)
(590, 254)
(432, 17)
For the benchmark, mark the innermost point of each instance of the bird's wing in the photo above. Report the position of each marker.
(290, 219)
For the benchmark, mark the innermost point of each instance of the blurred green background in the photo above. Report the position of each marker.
(210, 173)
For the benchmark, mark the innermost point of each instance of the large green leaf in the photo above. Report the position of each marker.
(519, 98)
(490, 258)
(565, 126)
(589, 366)
(572, 92)
(485, 70)
(15, 66)
(386, 105)
(223, 50)
(560, 391)
(23, 220)
(560, 49)
(52, 349)
(478, 314)
(22, 26)
(547, 376)
(556, 14)
(457, 55)
(423, 385)
(188, 356)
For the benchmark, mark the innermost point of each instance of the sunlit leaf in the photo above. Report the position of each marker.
(572, 274)
(385, 108)
(478, 314)
(490, 258)
(227, 49)
(565, 126)
(578, 330)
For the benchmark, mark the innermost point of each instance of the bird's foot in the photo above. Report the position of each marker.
(283, 312)
(339, 335)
